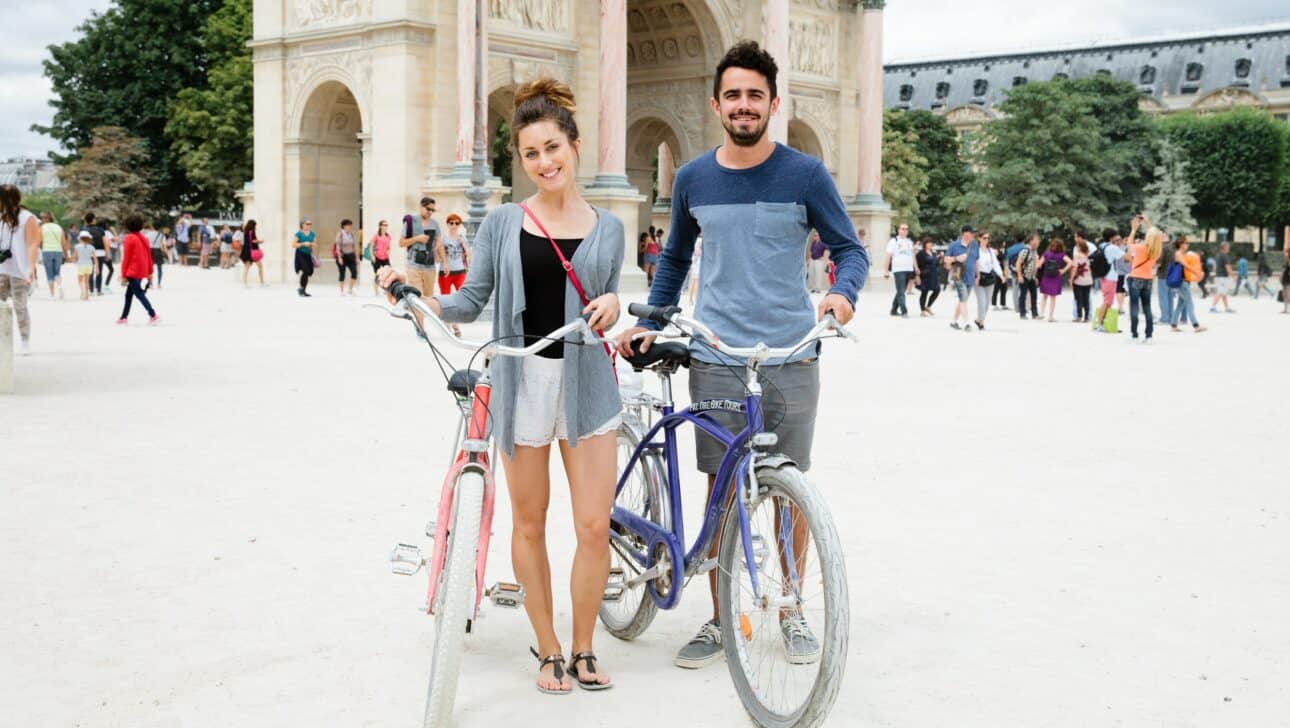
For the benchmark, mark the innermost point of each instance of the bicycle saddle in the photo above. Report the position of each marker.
(463, 381)
(672, 354)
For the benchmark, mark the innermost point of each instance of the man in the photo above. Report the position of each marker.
(1122, 265)
(100, 250)
(182, 228)
(1164, 294)
(956, 257)
(207, 234)
(1222, 279)
(755, 202)
(1027, 272)
(1242, 277)
(420, 236)
(899, 262)
(1112, 283)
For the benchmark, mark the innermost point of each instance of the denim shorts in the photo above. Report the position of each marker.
(790, 400)
(961, 290)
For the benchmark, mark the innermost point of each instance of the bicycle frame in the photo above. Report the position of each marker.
(735, 470)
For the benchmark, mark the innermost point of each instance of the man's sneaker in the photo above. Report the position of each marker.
(799, 642)
(954, 324)
(703, 650)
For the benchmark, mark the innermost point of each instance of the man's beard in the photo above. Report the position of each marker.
(745, 138)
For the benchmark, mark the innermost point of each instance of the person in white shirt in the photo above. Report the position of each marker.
(1114, 252)
(19, 251)
(900, 263)
(988, 272)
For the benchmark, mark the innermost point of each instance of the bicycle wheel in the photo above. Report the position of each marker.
(780, 687)
(457, 587)
(642, 494)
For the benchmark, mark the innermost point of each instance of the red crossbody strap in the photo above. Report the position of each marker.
(573, 277)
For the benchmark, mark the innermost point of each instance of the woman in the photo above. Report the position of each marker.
(455, 256)
(304, 260)
(642, 241)
(695, 262)
(929, 285)
(346, 254)
(53, 250)
(110, 245)
(1053, 266)
(1183, 306)
(20, 248)
(251, 253)
(988, 272)
(156, 251)
(533, 398)
(380, 251)
(818, 264)
(1142, 272)
(136, 267)
(652, 250)
(1082, 282)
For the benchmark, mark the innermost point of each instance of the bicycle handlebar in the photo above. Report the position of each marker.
(671, 315)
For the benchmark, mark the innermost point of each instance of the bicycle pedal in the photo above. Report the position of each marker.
(506, 594)
(405, 559)
(614, 586)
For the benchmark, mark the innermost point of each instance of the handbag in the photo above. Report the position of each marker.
(573, 278)
(256, 254)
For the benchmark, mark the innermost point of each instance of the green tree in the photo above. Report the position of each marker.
(124, 70)
(501, 154)
(1042, 165)
(111, 178)
(210, 128)
(1234, 162)
(948, 175)
(1131, 139)
(903, 177)
(51, 201)
(1169, 197)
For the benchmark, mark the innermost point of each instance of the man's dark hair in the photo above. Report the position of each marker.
(89, 218)
(1109, 233)
(427, 201)
(747, 54)
(133, 223)
(966, 229)
(346, 221)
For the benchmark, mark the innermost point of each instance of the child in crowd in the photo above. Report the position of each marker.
(84, 254)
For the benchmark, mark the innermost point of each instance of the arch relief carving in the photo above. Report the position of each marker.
(542, 15)
(680, 103)
(967, 115)
(305, 74)
(318, 13)
(1228, 97)
(813, 46)
(821, 116)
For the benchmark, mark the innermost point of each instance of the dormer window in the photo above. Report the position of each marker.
(906, 92)
(1194, 72)
(1243, 68)
(942, 89)
(1060, 77)
(980, 87)
(1018, 81)
(1147, 75)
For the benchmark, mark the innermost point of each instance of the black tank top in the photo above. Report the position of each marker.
(544, 285)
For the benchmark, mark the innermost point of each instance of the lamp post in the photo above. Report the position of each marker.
(477, 193)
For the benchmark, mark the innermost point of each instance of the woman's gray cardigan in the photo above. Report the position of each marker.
(590, 390)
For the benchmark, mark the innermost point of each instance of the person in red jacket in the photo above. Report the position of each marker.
(136, 267)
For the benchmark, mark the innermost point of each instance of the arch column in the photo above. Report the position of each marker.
(465, 86)
(775, 38)
(869, 210)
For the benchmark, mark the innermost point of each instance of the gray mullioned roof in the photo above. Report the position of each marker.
(1267, 50)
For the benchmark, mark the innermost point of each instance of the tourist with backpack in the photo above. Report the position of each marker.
(1106, 261)
(1054, 266)
(1181, 273)
(1081, 280)
(420, 237)
(1026, 268)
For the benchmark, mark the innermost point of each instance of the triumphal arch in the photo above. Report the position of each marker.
(363, 106)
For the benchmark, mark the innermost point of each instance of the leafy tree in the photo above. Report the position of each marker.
(1234, 162)
(210, 128)
(51, 201)
(948, 174)
(1043, 165)
(111, 178)
(1130, 137)
(502, 157)
(1169, 197)
(903, 175)
(124, 70)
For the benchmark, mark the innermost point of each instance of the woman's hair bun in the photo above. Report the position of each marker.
(557, 92)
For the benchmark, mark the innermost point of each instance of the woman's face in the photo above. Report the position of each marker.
(550, 160)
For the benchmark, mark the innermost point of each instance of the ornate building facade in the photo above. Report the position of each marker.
(363, 106)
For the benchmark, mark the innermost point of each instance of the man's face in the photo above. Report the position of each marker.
(968, 238)
(1117, 240)
(744, 105)
(904, 231)
(427, 210)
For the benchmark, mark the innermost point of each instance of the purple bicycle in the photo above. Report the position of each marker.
(781, 578)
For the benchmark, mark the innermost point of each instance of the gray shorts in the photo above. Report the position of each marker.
(961, 290)
(790, 399)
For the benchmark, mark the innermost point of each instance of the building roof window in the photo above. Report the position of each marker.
(1194, 71)
(1243, 68)
(980, 87)
(1018, 81)
(942, 89)
(906, 92)
(1060, 77)
(1147, 75)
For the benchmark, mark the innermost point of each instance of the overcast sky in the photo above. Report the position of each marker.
(915, 29)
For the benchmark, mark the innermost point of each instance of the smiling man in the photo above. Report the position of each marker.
(754, 202)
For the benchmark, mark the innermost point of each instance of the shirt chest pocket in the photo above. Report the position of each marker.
(782, 221)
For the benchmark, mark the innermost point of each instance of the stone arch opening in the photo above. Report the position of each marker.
(327, 164)
(653, 154)
(804, 139)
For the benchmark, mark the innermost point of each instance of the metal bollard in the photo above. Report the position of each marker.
(6, 347)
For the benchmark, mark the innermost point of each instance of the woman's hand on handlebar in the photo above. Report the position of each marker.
(603, 311)
(387, 277)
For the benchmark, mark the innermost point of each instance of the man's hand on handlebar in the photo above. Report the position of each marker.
(841, 308)
(625, 341)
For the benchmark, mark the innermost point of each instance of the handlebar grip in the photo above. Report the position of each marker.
(403, 290)
(661, 315)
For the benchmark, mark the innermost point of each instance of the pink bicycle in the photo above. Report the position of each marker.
(463, 521)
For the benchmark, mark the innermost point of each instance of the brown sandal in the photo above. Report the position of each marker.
(590, 659)
(557, 671)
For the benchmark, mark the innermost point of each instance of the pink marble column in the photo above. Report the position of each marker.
(869, 187)
(465, 82)
(774, 22)
(612, 171)
(666, 171)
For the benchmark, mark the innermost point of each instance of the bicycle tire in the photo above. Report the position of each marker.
(788, 482)
(458, 584)
(631, 622)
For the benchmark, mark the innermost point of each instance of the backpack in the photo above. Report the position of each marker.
(1052, 268)
(1174, 276)
(1098, 263)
